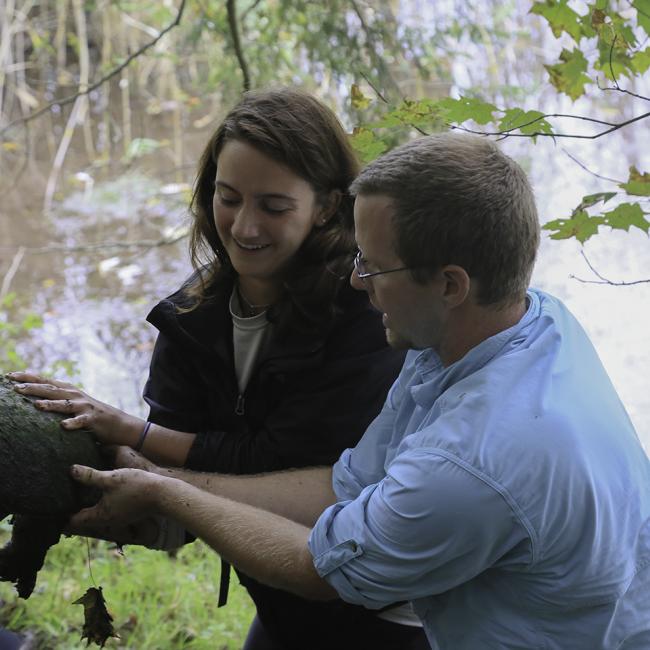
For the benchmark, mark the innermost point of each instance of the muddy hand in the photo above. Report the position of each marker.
(143, 532)
(110, 425)
(128, 495)
(123, 456)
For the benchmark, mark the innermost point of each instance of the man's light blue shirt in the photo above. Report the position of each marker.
(506, 495)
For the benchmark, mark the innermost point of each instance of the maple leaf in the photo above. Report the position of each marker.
(560, 17)
(527, 122)
(569, 76)
(592, 199)
(643, 14)
(626, 215)
(638, 184)
(640, 61)
(579, 225)
(367, 145)
(467, 108)
(98, 623)
(358, 99)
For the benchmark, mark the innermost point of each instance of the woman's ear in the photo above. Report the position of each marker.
(328, 209)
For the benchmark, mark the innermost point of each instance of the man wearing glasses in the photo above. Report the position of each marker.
(502, 489)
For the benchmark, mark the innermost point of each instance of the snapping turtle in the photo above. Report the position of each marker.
(35, 484)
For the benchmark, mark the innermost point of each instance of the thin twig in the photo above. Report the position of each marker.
(625, 92)
(62, 150)
(611, 67)
(104, 79)
(602, 279)
(245, 14)
(374, 87)
(81, 248)
(577, 136)
(383, 99)
(13, 269)
(382, 68)
(605, 178)
(90, 569)
(234, 32)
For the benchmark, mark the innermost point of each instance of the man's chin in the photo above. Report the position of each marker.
(397, 341)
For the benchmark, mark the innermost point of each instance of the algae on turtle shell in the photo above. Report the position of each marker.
(35, 484)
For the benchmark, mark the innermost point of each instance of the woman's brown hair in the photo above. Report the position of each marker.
(298, 131)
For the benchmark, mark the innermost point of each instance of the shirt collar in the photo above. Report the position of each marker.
(435, 378)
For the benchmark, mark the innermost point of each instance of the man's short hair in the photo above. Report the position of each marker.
(459, 200)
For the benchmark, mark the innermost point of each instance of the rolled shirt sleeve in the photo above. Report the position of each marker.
(430, 524)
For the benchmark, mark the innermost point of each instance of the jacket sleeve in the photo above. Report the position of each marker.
(312, 413)
(174, 391)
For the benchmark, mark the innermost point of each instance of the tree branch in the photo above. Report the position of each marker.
(82, 248)
(378, 61)
(251, 8)
(13, 269)
(234, 32)
(104, 79)
(383, 99)
(576, 136)
(605, 178)
(604, 280)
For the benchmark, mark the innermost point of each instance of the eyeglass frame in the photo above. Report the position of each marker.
(365, 274)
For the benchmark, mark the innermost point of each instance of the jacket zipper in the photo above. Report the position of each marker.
(239, 406)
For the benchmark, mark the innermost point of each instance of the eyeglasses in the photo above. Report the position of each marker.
(360, 268)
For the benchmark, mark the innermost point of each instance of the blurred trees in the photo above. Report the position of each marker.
(115, 81)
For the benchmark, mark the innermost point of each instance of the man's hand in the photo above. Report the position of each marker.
(142, 533)
(129, 495)
(123, 456)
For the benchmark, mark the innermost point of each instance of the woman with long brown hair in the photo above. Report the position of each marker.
(266, 358)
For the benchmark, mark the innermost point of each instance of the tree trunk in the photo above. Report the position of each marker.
(35, 484)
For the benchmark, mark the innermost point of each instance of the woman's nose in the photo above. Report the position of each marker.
(246, 224)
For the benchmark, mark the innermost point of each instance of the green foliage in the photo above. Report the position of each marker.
(614, 53)
(467, 108)
(10, 359)
(141, 147)
(526, 122)
(582, 225)
(626, 215)
(560, 17)
(638, 184)
(367, 145)
(605, 41)
(643, 13)
(156, 601)
(17, 324)
(569, 76)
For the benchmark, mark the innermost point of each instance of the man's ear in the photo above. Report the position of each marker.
(328, 209)
(457, 285)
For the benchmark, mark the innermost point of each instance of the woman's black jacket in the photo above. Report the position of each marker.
(309, 398)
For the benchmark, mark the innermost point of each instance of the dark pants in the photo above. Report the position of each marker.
(382, 635)
(9, 640)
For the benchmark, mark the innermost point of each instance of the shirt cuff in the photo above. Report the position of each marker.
(344, 482)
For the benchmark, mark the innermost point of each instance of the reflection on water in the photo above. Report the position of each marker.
(93, 302)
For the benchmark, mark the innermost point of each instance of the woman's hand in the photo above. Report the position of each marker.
(110, 425)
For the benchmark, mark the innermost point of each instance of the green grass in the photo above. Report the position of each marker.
(158, 602)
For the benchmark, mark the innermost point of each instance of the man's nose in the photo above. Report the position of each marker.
(356, 282)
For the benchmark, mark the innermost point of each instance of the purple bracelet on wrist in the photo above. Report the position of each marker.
(143, 435)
